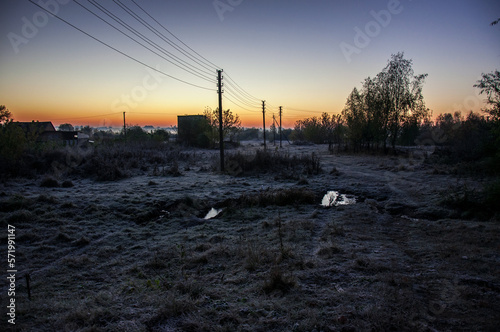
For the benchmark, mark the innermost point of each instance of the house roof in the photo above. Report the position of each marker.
(36, 126)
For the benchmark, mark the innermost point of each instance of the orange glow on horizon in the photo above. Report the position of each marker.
(168, 118)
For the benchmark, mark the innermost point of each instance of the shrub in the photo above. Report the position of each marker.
(492, 196)
(264, 161)
(49, 182)
(278, 281)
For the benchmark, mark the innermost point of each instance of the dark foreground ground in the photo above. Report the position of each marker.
(137, 255)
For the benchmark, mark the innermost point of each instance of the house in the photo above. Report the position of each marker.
(36, 128)
(46, 132)
(192, 130)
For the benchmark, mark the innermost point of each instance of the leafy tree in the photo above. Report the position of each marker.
(402, 99)
(160, 135)
(387, 106)
(5, 114)
(490, 85)
(328, 124)
(66, 127)
(355, 118)
(13, 140)
(136, 133)
(231, 124)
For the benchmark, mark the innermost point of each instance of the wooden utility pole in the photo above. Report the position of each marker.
(281, 112)
(221, 129)
(124, 126)
(264, 120)
(274, 130)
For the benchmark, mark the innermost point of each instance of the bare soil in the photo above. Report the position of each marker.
(138, 255)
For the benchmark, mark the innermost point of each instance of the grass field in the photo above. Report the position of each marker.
(136, 254)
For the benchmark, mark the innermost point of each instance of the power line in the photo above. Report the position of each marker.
(88, 117)
(118, 51)
(236, 104)
(242, 90)
(241, 97)
(231, 92)
(163, 37)
(235, 90)
(303, 111)
(144, 38)
(164, 28)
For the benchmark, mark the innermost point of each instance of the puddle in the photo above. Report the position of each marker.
(334, 198)
(212, 213)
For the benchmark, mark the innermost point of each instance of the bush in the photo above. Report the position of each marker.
(492, 196)
(49, 182)
(264, 161)
(278, 281)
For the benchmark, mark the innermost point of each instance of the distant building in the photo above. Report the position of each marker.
(46, 132)
(192, 130)
(36, 128)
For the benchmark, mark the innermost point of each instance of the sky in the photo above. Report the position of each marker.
(305, 56)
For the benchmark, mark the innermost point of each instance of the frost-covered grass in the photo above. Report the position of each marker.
(137, 255)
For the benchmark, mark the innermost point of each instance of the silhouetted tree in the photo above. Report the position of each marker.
(490, 85)
(136, 133)
(160, 135)
(403, 101)
(354, 114)
(13, 140)
(5, 114)
(66, 127)
(231, 124)
(387, 104)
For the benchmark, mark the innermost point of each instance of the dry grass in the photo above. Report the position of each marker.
(128, 256)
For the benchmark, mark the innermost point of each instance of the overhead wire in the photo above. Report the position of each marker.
(233, 88)
(118, 51)
(241, 89)
(162, 36)
(238, 97)
(242, 98)
(185, 65)
(236, 104)
(164, 28)
(88, 117)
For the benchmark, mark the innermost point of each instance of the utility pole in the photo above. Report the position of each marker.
(264, 120)
(221, 132)
(281, 112)
(274, 130)
(124, 126)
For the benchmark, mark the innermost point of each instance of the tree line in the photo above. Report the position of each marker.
(389, 110)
